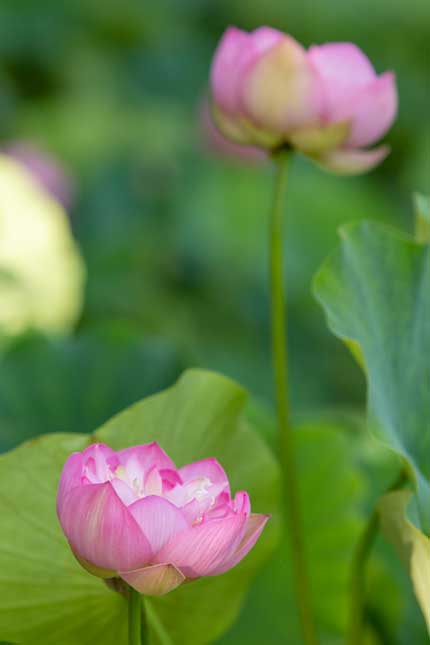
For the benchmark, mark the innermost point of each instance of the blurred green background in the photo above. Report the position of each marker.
(174, 235)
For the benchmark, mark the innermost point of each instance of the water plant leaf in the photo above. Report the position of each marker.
(375, 290)
(45, 596)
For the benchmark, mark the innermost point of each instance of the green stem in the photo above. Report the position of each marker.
(135, 614)
(363, 550)
(286, 438)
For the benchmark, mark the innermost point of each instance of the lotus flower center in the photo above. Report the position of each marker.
(198, 489)
(135, 483)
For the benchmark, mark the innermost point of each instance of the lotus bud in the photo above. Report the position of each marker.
(327, 101)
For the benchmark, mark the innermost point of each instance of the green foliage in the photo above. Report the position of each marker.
(376, 292)
(75, 384)
(173, 236)
(422, 217)
(45, 596)
(331, 494)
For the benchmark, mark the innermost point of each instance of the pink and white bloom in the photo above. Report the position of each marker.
(132, 514)
(327, 101)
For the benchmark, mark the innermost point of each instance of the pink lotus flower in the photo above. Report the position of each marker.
(132, 514)
(328, 102)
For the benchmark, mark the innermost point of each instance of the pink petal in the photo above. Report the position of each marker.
(220, 510)
(264, 38)
(170, 479)
(101, 530)
(222, 499)
(99, 451)
(147, 456)
(353, 162)
(203, 483)
(242, 503)
(199, 550)
(126, 494)
(195, 510)
(153, 482)
(99, 463)
(155, 580)
(342, 69)
(225, 72)
(372, 110)
(254, 528)
(209, 468)
(236, 51)
(281, 91)
(70, 477)
(224, 506)
(158, 519)
(94, 570)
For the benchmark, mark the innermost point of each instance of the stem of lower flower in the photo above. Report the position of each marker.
(355, 635)
(135, 612)
(285, 433)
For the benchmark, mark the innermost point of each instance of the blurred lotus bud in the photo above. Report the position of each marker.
(132, 514)
(217, 143)
(45, 169)
(41, 271)
(327, 102)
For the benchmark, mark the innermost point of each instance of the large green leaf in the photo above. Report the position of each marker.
(375, 290)
(45, 596)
